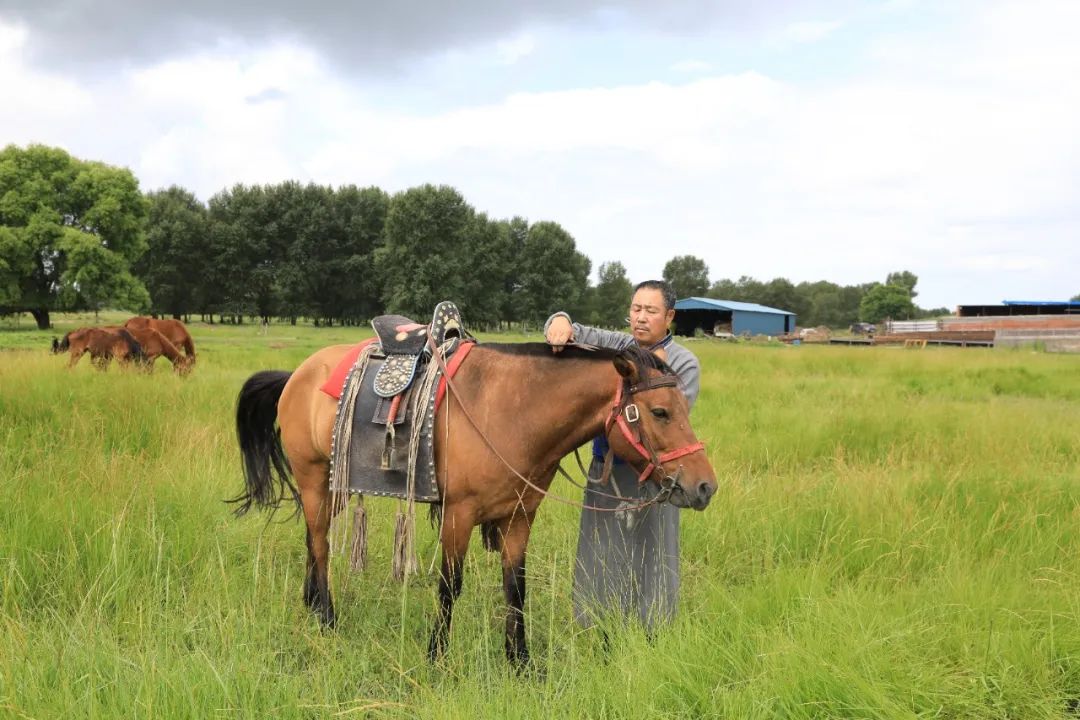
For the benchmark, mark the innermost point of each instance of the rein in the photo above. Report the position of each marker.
(621, 408)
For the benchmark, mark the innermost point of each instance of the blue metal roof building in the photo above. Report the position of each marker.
(739, 318)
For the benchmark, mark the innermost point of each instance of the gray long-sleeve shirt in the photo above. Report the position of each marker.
(682, 361)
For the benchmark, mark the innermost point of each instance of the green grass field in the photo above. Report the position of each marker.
(897, 534)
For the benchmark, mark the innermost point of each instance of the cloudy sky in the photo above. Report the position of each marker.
(831, 139)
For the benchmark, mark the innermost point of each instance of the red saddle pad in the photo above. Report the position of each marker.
(336, 383)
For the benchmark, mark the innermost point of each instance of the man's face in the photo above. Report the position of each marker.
(649, 319)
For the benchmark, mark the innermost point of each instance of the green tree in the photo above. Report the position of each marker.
(1075, 298)
(554, 275)
(688, 276)
(886, 301)
(927, 313)
(69, 231)
(362, 213)
(425, 253)
(488, 262)
(822, 302)
(517, 230)
(249, 248)
(611, 296)
(176, 261)
(745, 289)
(905, 279)
(781, 293)
(851, 297)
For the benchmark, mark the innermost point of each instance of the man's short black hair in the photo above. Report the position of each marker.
(665, 289)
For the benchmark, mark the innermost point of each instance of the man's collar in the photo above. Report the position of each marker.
(668, 339)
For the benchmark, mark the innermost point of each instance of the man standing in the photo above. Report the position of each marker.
(628, 561)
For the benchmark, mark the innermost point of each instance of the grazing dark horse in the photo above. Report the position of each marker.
(103, 344)
(532, 406)
(154, 345)
(173, 330)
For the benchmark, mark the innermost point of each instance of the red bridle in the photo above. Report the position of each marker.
(625, 413)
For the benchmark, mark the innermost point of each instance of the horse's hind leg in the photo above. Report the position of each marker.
(513, 539)
(456, 529)
(314, 486)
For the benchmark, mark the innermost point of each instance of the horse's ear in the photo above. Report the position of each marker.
(626, 368)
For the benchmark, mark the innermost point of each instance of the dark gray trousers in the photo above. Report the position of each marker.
(627, 562)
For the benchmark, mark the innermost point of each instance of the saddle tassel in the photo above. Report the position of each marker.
(404, 543)
(358, 551)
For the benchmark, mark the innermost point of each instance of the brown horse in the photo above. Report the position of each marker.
(530, 406)
(154, 345)
(103, 344)
(173, 330)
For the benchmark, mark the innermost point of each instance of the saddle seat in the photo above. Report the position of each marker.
(405, 345)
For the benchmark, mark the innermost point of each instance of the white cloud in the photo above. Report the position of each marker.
(32, 94)
(691, 66)
(808, 31)
(957, 161)
(509, 52)
(1005, 262)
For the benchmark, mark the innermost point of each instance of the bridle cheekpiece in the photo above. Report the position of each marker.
(626, 416)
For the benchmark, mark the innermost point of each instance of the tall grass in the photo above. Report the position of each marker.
(895, 536)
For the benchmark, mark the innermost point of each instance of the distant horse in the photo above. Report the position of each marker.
(154, 345)
(103, 345)
(531, 406)
(173, 330)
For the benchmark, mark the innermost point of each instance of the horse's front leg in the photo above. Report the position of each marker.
(456, 530)
(513, 539)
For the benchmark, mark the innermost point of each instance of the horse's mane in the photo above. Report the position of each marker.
(133, 345)
(642, 359)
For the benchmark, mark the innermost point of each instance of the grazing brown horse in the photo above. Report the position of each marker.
(154, 345)
(529, 405)
(173, 330)
(103, 344)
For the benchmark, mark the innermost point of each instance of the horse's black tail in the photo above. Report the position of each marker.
(266, 469)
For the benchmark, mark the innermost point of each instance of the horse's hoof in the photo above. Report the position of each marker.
(519, 660)
(436, 649)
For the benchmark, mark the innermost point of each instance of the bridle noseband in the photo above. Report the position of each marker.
(626, 416)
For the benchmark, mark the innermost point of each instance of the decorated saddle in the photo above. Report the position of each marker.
(383, 442)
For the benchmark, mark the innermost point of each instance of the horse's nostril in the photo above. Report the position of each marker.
(705, 490)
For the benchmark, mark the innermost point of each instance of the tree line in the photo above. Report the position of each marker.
(814, 303)
(80, 235)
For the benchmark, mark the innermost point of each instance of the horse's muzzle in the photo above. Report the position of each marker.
(693, 495)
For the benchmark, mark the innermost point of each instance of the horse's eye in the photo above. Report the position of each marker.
(660, 413)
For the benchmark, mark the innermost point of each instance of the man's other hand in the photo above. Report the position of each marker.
(559, 333)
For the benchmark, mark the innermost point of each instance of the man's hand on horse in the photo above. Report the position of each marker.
(559, 333)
